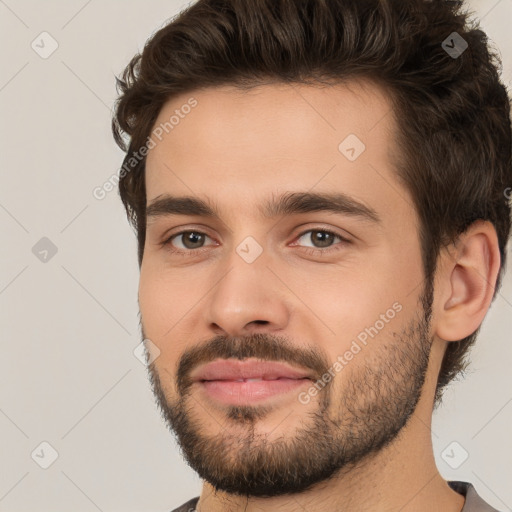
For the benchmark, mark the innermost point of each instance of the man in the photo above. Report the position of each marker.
(319, 192)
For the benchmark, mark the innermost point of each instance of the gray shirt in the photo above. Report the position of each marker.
(473, 501)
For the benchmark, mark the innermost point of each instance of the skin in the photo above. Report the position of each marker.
(240, 148)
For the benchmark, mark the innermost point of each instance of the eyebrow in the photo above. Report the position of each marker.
(286, 204)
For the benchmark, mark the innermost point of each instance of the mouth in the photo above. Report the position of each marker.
(246, 391)
(237, 382)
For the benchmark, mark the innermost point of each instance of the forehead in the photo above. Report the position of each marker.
(234, 145)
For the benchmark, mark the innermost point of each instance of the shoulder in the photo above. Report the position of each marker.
(190, 506)
(474, 503)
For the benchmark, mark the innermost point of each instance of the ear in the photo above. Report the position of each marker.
(466, 281)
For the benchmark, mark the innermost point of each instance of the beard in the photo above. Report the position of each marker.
(343, 428)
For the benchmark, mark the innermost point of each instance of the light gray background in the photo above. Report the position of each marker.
(69, 326)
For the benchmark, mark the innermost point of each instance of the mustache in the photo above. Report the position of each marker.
(258, 345)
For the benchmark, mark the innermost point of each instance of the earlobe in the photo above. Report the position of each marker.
(469, 277)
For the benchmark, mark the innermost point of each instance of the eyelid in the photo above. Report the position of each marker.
(168, 235)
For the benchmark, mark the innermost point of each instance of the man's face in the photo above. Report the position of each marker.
(335, 296)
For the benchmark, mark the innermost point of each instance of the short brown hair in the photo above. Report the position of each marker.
(452, 111)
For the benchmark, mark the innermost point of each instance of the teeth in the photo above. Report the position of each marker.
(248, 380)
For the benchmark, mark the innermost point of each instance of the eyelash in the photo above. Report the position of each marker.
(312, 251)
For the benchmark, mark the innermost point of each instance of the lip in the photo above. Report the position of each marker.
(235, 370)
(230, 381)
(233, 392)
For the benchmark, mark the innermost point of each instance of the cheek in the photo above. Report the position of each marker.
(364, 302)
(164, 299)
(346, 303)
(162, 306)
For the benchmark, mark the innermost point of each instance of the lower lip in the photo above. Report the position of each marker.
(238, 393)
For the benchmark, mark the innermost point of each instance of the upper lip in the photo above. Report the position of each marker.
(230, 369)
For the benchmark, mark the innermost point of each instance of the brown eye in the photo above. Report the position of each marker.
(189, 240)
(320, 238)
(322, 241)
(192, 239)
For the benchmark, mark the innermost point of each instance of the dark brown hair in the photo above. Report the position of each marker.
(452, 112)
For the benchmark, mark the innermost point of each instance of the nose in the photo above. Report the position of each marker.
(248, 298)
